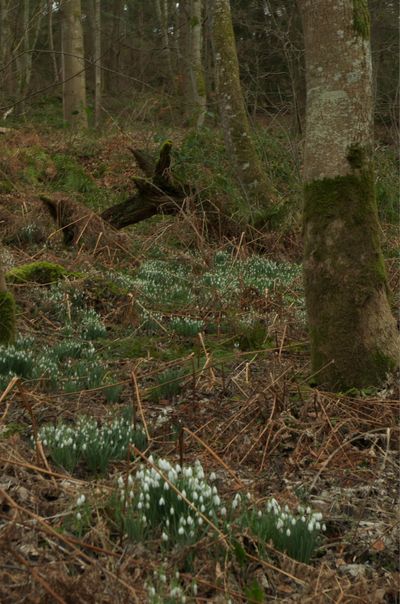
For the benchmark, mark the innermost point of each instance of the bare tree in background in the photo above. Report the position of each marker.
(74, 80)
(234, 116)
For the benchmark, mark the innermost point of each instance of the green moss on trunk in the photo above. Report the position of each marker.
(361, 18)
(351, 328)
(7, 318)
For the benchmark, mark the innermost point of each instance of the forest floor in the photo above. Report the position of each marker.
(181, 351)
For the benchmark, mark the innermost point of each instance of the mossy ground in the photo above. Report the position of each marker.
(242, 389)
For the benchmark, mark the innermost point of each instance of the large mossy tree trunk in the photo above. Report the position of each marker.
(7, 313)
(250, 172)
(354, 339)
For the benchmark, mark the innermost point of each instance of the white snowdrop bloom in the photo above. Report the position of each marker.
(151, 459)
(279, 524)
(308, 510)
(79, 516)
(182, 521)
(317, 526)
(81, 500)
(324, 527)
(177, 468)
(177, 574)
(144, 519)
(181, 530)
(214, 490)
(303, 518)
(216, 500)
(194, 589)
(310, 526)
(202, 508)
(201, 499)
(172, 476)
(147, 496)
(161, 501)
(183, 493)
(223, 511)
(147, 506)
(164, 537)
(286, 508)
(130, 480)
(152, 591)
(213, 477)
(288, 532)
(293, 521)
(145, 487)
(139, 505)
(318, 516)
(167, 523)
(200, 521)
(188, 472)
(131, 494)
(171, 511)
(195, 496)
(248, 495)
(163, 578)
(189, 520)
(84, 447)
(166, 486)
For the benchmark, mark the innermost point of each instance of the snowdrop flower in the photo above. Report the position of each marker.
(223, 511)
(213, 477)
(164, 537)
(171, 511)
(324, 527)
(81, 500)
(288, 532)
(216, 500)
(79, 516)
(181, 530)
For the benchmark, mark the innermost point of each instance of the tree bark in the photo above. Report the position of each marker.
(354, 340)
(97, 62)
(235, 123)
(197, 76)
(74, 80)
(7, 313)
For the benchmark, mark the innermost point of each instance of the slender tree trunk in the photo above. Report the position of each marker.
(234, 116)
(74, 81)
(354, 340)
(97, 63)
(51, 39)
(197, 77)
(162, 15)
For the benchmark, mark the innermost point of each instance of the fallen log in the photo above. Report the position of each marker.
(159, 192)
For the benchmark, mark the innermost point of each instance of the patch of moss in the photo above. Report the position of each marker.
(344, 269)
(71, 177)
(7, 318)
(361, 19)
(38, 272)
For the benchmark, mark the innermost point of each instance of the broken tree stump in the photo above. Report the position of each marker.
(158, 193)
